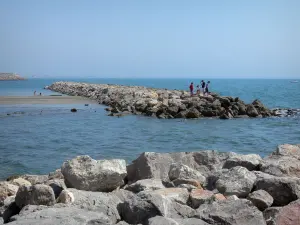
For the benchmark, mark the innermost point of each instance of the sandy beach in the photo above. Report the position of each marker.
(8, 100)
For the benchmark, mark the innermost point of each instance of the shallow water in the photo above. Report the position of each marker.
(38, 142)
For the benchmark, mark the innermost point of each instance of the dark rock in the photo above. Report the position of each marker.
(231, 212)
(251, 111)
(73, 110)
(193, 114)
(261, 199)
(283, 189)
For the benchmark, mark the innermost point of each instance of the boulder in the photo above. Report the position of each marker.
(180, 195)
(261, 199)
(101, 202)
(38, 194)
(231, 212)
(251, 161)
(237, 181)
(289, 215)
(145, 185)
(251, 111)
(66, 197)
(7, 189)
(20, 181)
(35, 179)
(168, 206)
(200, 196)
(70, 215)
(182, 174)
(136, 210)
(192, 113)
(157, 165)
(85, 173)
(283, 189)
(159, 220)
(270, 215)
(219, 197)
(281, 166)
(232, 197)
(58, 185)
(288, 150)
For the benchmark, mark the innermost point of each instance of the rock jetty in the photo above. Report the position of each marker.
(162, 103)
(10, 76)
(183, 188)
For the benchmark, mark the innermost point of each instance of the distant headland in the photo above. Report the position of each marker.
(10, 76)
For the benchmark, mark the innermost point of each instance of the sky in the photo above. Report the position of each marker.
(149, 39)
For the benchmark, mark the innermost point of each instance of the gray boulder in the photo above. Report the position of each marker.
(151, 165)
(180, 195)
(261, 199)
(168, 206)
(136, 210)
(145, 185)
(231, 212)
(288, 150)
(70, 215)
(251, 161)
(251, 111)
(85, 173)
(159, 220)
(270, 215)
(38, 194)
(7, 189)
(55, 175)
(98, 201)
(283, 189)
(182, 174)
(281, 166)
(35, 179)
(237, 181)
(200, 196)
(65, 197)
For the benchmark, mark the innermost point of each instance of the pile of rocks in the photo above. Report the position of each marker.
(184, 188)
(162, 103)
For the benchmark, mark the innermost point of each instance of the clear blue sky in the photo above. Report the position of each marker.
(136, 38)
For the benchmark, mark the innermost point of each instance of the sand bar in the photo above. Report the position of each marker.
(9, 100)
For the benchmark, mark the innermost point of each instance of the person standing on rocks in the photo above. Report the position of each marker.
(198, 90)
(206, 88)
(192, 89)
(203, 86)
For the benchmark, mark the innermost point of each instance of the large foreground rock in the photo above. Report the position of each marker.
(38, 194)
(289, 215)
(251, 161)
(237, 181)
(283, 189)
(85, 173)
(261, 199)
(70, 215)
(151, 165)
(7, 189)
(231, 212)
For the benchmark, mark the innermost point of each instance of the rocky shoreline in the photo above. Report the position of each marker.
(10, 76)
(183, 188)
(163, 103)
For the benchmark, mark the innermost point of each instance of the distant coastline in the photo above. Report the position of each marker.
(10, 76)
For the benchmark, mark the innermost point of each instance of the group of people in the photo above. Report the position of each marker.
(203, 85)
(34, 93)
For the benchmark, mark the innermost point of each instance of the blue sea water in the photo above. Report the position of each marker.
(38, 142)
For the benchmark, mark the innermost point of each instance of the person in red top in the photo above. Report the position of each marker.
(192, 88)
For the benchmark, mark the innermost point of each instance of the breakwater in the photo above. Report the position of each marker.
(203, 187)
(163, 103)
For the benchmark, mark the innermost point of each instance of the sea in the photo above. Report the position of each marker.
(37, 139)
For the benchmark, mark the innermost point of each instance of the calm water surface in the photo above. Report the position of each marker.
(32, 141)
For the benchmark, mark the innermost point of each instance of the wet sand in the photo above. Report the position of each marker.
(9, 100)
